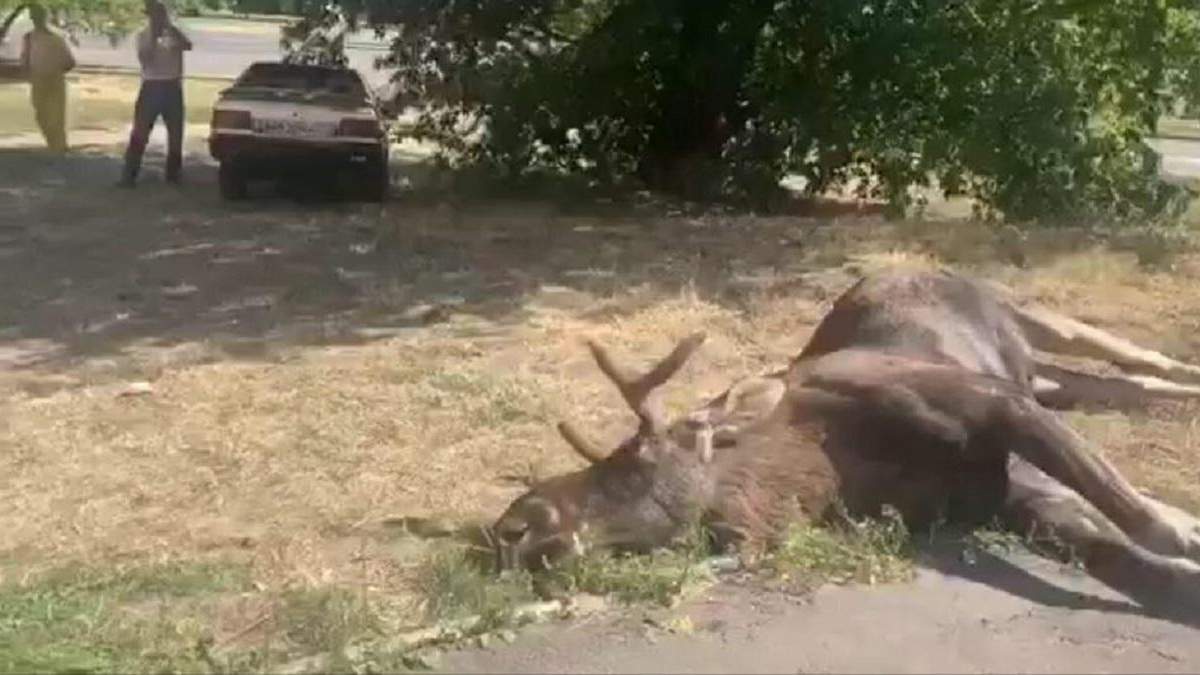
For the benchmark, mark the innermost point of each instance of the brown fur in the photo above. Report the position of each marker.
(916, 391)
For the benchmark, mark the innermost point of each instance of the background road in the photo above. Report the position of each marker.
(223, 48)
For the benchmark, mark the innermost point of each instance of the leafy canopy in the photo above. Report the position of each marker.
(114, 18)
(1038, 109)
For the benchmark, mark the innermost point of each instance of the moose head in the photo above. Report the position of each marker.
(645, 492)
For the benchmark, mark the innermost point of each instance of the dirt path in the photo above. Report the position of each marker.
(1018, 615)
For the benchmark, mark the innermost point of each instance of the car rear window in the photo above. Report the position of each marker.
(304, 78)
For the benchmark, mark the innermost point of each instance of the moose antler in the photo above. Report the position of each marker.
(580, 443)
(639, 391)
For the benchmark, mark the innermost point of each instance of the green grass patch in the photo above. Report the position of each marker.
(327, 621)
(79, 620)
(458, 584)
(161, 619)
(660, 577)
(859, 552)
(461, 583)
(994, 539)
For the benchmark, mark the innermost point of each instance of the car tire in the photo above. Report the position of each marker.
(232, 180)
(376, 179)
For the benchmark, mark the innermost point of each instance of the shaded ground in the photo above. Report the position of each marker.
(308, 369)
(1018, 616)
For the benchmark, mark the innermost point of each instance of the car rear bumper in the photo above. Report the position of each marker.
(253, 149)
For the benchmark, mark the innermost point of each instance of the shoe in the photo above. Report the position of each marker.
(126, 184)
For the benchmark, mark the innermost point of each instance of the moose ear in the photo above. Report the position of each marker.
(750, 400)
(745, 403)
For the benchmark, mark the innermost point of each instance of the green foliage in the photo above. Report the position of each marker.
(113, 18)
(458, 585)
(162, 618)
(1183, 63)
(198, 7)
(85, 620)
(659, 577)
(270, 6)
(1037, 109)
(865, 552)
(326, 621)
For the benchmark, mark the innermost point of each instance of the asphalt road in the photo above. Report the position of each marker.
(1015, 615)
(1180, 157)
(223, 48)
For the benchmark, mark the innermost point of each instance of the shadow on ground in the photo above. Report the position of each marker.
(90, 271)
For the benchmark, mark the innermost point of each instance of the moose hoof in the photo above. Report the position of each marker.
(1173, 537)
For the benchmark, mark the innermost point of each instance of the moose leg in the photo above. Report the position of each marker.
(1038, 436)
(1040, 507)
(1058, 334)
(1061, 389)
(958, 411)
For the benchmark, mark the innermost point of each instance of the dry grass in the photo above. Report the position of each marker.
(289, 465)
(99, 102)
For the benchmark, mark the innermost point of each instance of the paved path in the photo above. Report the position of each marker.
(1024, 615)
(1180, 156)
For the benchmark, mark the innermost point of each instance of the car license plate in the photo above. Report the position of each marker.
(290, 128)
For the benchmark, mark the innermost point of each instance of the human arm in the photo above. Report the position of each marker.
(185, 44)
(25, 54)
(145, 47)
(68, 57)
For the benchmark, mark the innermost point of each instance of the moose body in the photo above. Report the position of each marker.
(920, 391)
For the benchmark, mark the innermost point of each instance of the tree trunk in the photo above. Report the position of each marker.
(699, 110)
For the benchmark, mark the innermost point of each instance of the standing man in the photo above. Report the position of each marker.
(160, 48)
(46, 59)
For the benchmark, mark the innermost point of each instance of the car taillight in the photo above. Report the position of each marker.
(361, 128)
(231, 119)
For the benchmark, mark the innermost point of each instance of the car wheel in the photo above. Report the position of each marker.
(376, 182)
(232, 180)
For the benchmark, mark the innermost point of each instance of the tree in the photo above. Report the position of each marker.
(1036, 108)
(113, 18)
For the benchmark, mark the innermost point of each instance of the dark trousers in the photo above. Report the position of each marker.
(155, 98)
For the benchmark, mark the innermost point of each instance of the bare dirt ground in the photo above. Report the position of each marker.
(271, 383)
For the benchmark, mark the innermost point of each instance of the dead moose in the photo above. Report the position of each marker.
(919, 390)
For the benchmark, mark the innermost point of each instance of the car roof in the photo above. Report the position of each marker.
(280, 66)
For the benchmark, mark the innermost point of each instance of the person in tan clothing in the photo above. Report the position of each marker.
(46, 59)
